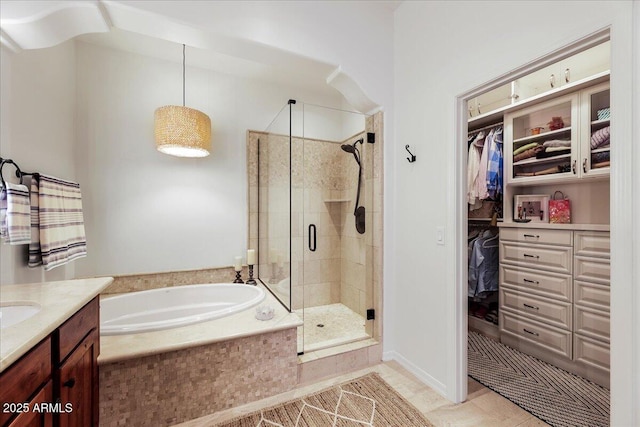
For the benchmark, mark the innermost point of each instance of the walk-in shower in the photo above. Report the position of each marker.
(303, 198)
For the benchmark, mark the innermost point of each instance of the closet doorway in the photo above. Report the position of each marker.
(535, 265)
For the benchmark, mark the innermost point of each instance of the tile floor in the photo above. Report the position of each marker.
(340, 325)
(482, 408)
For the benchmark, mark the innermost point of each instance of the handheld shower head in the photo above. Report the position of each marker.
(351, 148)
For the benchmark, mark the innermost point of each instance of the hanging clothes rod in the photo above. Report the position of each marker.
(491, 126)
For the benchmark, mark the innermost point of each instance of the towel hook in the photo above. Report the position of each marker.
(412, 158)
(18, 171)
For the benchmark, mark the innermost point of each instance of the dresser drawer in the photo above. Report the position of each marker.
(592, 323)
(592, 295)
(592, 270)
(537, 235)
(549, 338)
(590, 352)
(592, 243)
(543, 283)
(541, 309)
(550, 258)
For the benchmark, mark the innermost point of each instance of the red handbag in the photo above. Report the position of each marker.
(559, 209)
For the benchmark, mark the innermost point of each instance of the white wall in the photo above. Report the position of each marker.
(442, 50)
(38, 133)
(149, 212)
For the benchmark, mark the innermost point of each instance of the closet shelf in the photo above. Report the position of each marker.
(534, 161)
(600, 150)
(545, 135)
(600, 122)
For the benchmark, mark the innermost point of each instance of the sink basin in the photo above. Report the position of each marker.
(12, 313)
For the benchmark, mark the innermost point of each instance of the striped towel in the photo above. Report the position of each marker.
(14, 214)
(35, 253)
(60, 221)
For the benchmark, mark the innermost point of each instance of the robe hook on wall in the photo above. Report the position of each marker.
(412, 158)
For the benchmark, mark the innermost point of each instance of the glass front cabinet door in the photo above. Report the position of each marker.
(594, 124)
(541, 141)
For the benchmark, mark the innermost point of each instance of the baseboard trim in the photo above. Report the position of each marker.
(418, 372)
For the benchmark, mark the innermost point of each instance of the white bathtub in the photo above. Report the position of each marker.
(167, 308)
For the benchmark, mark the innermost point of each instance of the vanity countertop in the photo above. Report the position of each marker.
(58, 301)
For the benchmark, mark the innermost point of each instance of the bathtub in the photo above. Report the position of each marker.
(167, 308)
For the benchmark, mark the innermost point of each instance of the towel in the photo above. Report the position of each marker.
(61, 223)
(557, 143)
(600, 137)
(525, 148)
(35, 253)
(14, 214)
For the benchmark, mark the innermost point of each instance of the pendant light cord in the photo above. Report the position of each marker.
(183, 71)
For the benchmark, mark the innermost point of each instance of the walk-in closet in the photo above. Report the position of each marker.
(538, 238)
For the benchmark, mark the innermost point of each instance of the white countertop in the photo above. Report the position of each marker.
(546, 225)
(59, 301)
(115, 348)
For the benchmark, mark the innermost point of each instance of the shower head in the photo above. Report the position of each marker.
(348, 148)
(351, 148)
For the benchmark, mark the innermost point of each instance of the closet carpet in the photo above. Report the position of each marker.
(555, 396)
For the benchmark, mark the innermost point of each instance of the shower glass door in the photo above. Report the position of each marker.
(332, 197)
(270, 154)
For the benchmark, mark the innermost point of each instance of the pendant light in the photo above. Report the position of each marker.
(182, 131)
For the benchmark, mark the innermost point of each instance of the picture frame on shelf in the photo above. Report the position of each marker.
(531, 206)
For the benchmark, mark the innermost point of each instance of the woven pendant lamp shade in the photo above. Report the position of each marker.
(182, 131)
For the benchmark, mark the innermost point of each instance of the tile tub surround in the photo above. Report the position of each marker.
(143, 282)
(181, 385)
(58, 300)
(243, 324)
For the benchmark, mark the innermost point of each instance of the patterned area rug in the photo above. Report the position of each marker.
(555, 396)
(367, 401)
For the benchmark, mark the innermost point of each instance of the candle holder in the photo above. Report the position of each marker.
(238, 278)
(251, 280)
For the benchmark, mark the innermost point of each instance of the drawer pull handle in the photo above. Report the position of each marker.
(531, 332)
(69, 383)
(531, 306)
(532, 256)
(535, 236)
(531, 281)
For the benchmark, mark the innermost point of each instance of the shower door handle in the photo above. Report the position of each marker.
(312, 237)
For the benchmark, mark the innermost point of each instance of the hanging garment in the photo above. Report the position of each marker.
(494, 167)
(473, 166)
(481, 179)
(483, 265)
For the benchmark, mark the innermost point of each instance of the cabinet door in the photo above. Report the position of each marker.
(548, 134)
(40, 414)
(594, 139)
(78, 384)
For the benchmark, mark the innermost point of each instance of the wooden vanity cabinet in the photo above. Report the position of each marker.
(56, 382)
(25, 383)
(76, 367)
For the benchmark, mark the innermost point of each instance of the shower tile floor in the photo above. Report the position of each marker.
(340, 325)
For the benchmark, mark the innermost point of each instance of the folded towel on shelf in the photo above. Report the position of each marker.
(35, 252)
(525, 148)
(557, 143)
(60, 220)
(14, 214)
(600, 138)
(529, 153)
(552, 152)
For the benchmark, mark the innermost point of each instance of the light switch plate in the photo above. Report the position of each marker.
(440, 235)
